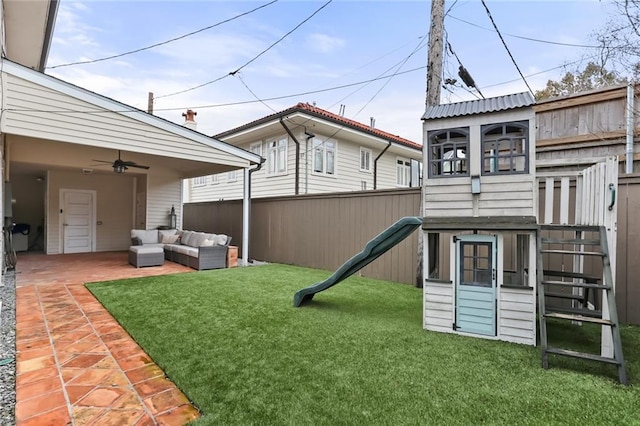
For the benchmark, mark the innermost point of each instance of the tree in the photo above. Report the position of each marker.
(619, 39)
(591, 77)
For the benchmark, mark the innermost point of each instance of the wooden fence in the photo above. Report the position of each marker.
(323, 231)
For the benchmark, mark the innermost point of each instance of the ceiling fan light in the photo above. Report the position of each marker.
(119, 168)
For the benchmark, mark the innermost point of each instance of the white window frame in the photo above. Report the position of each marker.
(277, 156)
(232, 176)
(327, 147)
(214, 180)
(199, 181)
(365, 157)
(403, 172)
(256, 148)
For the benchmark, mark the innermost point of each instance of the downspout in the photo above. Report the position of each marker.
(630, 127)
(306, 160)
(375, 166)
(246, 212)
(297, 179)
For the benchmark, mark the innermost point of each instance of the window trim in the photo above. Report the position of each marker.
(406, 166)
(232, 176)
(252, 148)
(523, 125)
(370, 153)
(196, 183)
(456, 146)
(275, 171)
(323, 144)
(214, 180)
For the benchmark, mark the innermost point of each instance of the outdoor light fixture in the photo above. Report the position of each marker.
(475, 184)
(119, 168)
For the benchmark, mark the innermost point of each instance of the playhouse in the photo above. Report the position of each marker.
(504, 246)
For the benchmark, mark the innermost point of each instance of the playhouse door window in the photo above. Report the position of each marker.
(476, 284)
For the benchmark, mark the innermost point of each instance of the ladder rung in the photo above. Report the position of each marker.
(579, 242)
(571, 274)
(574, 311)
(579, 285)
(555, 227)
(579, 318)
(582, 355)
(581, 253)
(564, 296)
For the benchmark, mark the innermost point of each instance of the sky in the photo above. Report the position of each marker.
(368, 56)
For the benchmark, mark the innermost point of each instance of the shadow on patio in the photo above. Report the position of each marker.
(74, 361)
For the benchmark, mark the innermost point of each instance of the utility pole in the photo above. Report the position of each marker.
(150, 103)
(434, 58)
(434, 83)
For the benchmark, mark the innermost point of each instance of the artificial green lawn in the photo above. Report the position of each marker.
(232, 341)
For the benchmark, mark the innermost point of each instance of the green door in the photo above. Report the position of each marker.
(476, 284)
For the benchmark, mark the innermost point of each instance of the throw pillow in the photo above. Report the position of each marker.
(207, 243)
(221, 239)
(170, 239)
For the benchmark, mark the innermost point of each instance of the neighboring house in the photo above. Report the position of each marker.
(69, 153)
(309, 150)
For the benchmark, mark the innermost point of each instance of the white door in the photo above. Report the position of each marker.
(78, 223)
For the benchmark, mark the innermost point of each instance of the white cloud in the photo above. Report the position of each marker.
(324, 43)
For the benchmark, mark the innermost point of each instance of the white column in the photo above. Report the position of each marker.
(246, 205)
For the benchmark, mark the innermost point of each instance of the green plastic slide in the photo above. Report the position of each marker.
(374, 249)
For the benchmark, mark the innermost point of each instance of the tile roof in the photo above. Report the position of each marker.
(479, 106)
(323, 114)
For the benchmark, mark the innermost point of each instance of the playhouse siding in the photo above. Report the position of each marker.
(438, 306)
(498, 198)
(516, 315)
(45, 113)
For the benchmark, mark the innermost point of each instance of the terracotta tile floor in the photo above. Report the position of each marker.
(75, 364)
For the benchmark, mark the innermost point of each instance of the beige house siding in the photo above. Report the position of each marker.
(163, 191)
(34, 110)
(348, 176)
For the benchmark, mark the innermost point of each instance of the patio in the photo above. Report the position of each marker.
(75, 364)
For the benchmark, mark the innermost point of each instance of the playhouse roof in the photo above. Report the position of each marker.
(479, 106)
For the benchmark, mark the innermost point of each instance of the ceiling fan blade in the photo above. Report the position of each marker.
(137, 166)
(103, 161)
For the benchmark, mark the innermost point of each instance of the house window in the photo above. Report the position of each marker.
(199, 181)
(447, 152)
(505, 148)
(232, 176)
(363, 185)
(403, 172)
(214, 179)
(256, 148)
(365, 160)
(277, 156)
(324, 157)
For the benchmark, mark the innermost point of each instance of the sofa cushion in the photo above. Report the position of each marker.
(149, 236)
(208, 243)
(186, 236)
(221, 239)
(166, 232)
(197, 239)
(170, 239)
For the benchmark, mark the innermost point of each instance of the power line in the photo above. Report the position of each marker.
(505, 46)
(557, 43)
(91, 61)
(251, 60)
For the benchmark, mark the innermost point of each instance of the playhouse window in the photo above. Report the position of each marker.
(447, 152)
(505, 148)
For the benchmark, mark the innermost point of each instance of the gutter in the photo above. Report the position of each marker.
(375, 165)
(48, 35)
(297, 179)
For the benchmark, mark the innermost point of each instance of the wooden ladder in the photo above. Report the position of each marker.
(580, 280)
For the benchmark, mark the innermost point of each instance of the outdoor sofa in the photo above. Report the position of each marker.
(198, 250)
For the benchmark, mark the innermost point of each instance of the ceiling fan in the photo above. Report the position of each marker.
(119, 165)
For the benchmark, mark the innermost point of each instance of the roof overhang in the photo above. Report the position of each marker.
(210, 155)
(28, 31)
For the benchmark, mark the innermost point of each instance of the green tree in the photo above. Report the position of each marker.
(593, 76)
